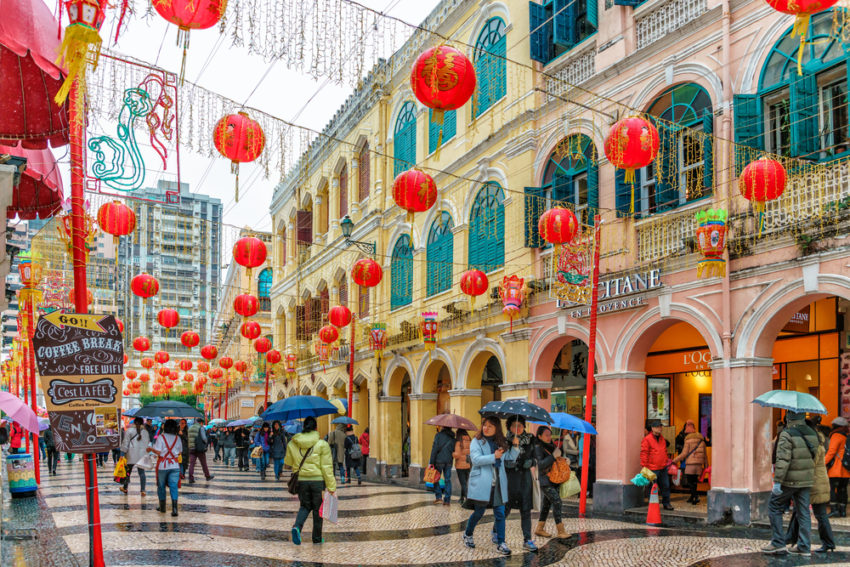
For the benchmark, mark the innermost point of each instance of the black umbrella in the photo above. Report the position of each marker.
(506, 409)
(168, 408)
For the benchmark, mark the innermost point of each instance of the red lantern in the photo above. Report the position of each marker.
(169, 385)
(631, 144)
(173, 375)
(414, 191)
(126, 392)
(190, 339)
(168, 318)
(226, 362)
(120, 328)
(251, 330)
(240, 366)
(163, 371)
(144, 377)
(240, 139)
(511, 293)
(249, 252)
(131, 374)
(558, 226)
(273, 357)
(442, 78)
(762, 180)
(328, 334)
(184, 391)
(216, 373)
(144, 286)
(89, 296)
(204, 367)
(474, 283)
(141, 344)
(291, 360)
(339, 316)
(161, 357)
(246, 304)
(803, 10)
(185, 365)
(188, 378)
(126, 359)
(147, 363)
(366, 272)
(190, 15)
(117, 219)
(209, 352)
(263, 345)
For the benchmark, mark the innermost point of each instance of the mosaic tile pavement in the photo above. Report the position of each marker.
(237, 520)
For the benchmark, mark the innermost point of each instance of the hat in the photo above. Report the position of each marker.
(839, 422)
(654, 423)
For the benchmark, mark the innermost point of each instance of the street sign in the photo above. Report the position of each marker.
(80, 360)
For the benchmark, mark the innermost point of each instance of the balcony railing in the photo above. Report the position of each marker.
(666, 18)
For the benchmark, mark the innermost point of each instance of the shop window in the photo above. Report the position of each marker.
(557, 26)
(441, 133)
(487, 229)
(490, 66)
(401, 273)
(440, 254)
(404, 139)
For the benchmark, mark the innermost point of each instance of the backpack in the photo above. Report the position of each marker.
(200, 442)
(560, 471)
(356, 451)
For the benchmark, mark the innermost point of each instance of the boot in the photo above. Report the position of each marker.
(562, 531)
(161, 507)
(540, 530)
(263, 474)
(842, 510)
(173, 508)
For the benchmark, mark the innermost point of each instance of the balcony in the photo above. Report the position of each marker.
(653, 25)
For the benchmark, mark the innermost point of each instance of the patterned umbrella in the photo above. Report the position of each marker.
(506, 409)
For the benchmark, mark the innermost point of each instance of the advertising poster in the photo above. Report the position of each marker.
(658, 402)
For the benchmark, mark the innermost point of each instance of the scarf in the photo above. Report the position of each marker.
(492, 444)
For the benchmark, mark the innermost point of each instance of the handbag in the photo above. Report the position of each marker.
(292, 483)
(147, 462)
(570, 488)
(329, 510)
(560, 471)
(431, 477)
(257, 452)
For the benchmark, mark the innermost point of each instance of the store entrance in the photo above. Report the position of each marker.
(569, 380)
(405, 425)
(491, 380)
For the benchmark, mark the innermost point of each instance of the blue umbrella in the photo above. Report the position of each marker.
(130, 412)
(798, 402)
(298, 407)
(217, 422)
(43, 423)
(345, 420)
(569, 422)
(293, 427)
(237, 422)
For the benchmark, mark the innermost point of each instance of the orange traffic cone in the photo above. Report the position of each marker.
(653, 513)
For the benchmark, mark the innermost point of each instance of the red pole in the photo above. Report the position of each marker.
(31, 365)
(591, 365)
(351, 369)
(26, 387)
(76, 108)
(226, 400)
(266, 397)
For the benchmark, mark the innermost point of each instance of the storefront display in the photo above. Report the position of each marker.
(658, 399)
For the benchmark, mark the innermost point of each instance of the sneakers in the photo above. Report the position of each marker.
(770, 549)
(796, 551)
(296, 536)
(468, 541)
(529, 546)
(503, 549)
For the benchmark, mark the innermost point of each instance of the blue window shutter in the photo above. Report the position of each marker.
(541, 32)
(666, 169)
(565, 22)
(449, 125)
(593, 13)
(440, 255)
(708, 149)
(749, 129)
(497, 246)
(535, 205)
(433, 132)
(487, 229)
(592, 190)
(623, 191)
(804, 116)
(449, 128)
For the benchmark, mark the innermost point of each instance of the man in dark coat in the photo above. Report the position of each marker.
(442, 459)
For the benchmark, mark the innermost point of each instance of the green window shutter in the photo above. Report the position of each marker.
(708, 149)
(666, 169)
(632, 3)
(592, 190)
(804, 116)
(749, 129)
(449, 125)
(593, 13)
(540, 28)
(497, 250)
(433, 132)
(401, 273)
(500, 77)
(440, 254)
(449, 128)
(623, 191)
(563, 191)
(487, 229)
(565, 22)
(535, 205)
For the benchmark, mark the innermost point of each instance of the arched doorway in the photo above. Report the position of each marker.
(405, 425)
(394, 420)
(491, 381)
(569, 379)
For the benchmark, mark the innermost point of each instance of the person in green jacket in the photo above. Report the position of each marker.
(308, 456)
(793, 477)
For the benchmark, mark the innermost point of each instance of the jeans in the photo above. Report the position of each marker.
(242, 457)
(42, 448)
(824, 527)
(551, 500)
(229, 455)
(200, 457)
(445, 471)
(663, 481)
(168, 477)
(310, 497)
(463, 479)
(278, 467)
(217, 449)
(355, 464)
(263, 462)
(525, 521)
(52, 459)
(777, 506)
(341, 467)
(838, 490)
(142, 477)
(499, 528)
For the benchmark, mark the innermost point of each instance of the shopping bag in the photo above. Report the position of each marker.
(431, 476)
(535, 494)
(330, 508)
(650, 476)
(706, 475)
(571, 487)
(120, 469)
(677, 478)
(148, 462)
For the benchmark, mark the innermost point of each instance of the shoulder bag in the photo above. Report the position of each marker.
(292, 484)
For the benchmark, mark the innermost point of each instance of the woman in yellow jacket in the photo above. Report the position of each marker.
(308, 456)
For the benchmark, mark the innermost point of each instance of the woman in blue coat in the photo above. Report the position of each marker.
(488, 482)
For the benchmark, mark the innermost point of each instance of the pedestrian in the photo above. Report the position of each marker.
(441, 459)
(546, 453)
(793, 477)
(16, 438)
(198, 444)
(692, 459)
(4, 434)
(183, 432)
(336, 439)
(102, 458)
(277, 448)
(364, 446)
(242, 441)
(134, 446)
(838, 475)
(520, 481)
(653, 455)
(261, 439)
(462, 462)
(52, 453)
(820, 499)
(42, 449)
(353, 454)
(212, 433)
(227, 440)
(151, 429)
(310, 458)
(167, 448)
(569, 448)
(488, 482)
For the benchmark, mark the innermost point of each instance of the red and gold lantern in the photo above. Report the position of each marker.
(632, 144)
(511, 292)
(226, 362)
(204, 366)
(190, 339)
(126, 392)
(209, 352)
(240, 139)
(430, 328)
(141, 344)
(190, 15)
(184, 392)
(216, 373)
(328, 334)
(89, 296)
(442, 78)
(126, 358)
(185, 365)
(163, 371)
(161, 357)
(246, 304)
(339, 316)
(251, 330)
(120, 324)
(802, 10)
(240, 366)
(273, 357)
(474, 283)
(144, 377)
(188, 378)
(291, 362)
(131, 374)
(168, 318)
(144, 286)
(117, 219)
(711, 241)
(323, 351)
(147, 363)
(414, 191)
(558, 226)
(249, 252)
(378, 338)
(366, 272)
(761, 181)
(263, 345)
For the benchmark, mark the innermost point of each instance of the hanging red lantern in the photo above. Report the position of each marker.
(161, 357)
(323, 351)
(126, 359)
(339, 316)
(190, 339)
(558, 226)
(117, 219)
(185, 365)
(442, 78)
(802, 10)
(147, 363)
(168, 318)
(366, 272)
(89, 296)
(761, 181)
(632, 144)
(144, 286)
(246, 304)
(209, 352)
(263, 345)
(144, 377)
(240, 366)
(163, 371)
(204, 366)
(251, 330)
(711, 241)
(511, 293)
(190, 15)
(226, 362)
(126, 392)
(169, 385)
(249, 252)
(328, 334)
(141, 344)
(173, 375)
(414, 191)
(188, 378)
(131, 374)
(216, 373)
(240, 139)
(273, 357)
(120, 324)
(184, 392)
(291, 362)
(474, 283)
(81, 43)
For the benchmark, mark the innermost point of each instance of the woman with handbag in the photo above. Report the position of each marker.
(262, 441)
(462, 462)
(169, 449)
(693, 459)
(547, 456)
(488, 481)
(520, 481)
(134, 447)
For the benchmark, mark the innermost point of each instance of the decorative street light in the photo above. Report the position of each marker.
(347, 225)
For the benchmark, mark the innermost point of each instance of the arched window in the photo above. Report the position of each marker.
(440, 253)
(487, 229)
(343, 191)
(447, 129)
(401, 273)
(490, 68)
(797, 115)
(571, 177)
(264, 287)
(404, 139)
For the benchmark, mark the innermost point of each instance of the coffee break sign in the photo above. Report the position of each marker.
(80, 360)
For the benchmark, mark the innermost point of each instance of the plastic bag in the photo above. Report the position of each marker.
(120, 468)
(650, 476)
(148, 462)
(432, 476)
(330, 508)
(571, 487)
(640, 480)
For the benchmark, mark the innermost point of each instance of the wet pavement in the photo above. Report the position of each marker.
(236, 520)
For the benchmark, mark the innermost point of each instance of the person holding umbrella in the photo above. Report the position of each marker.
(277, 447)
(353, 454)
(520, 482)
(262, 440)
(198, 443)
(546, 454)
(134, 446)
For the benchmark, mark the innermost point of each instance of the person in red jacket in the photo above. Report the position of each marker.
(653, 455)
(16, 438)
(364, 446)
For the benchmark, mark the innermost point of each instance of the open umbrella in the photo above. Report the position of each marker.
(17, 411)
(345, 420)
(506, 409)
(569, 422)
(298, 407)
(217, 422)
(168, 408)
(130, 412)
(43, 423)
(39, 192)
(293, 427)
(790, 400)
(453, 421)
